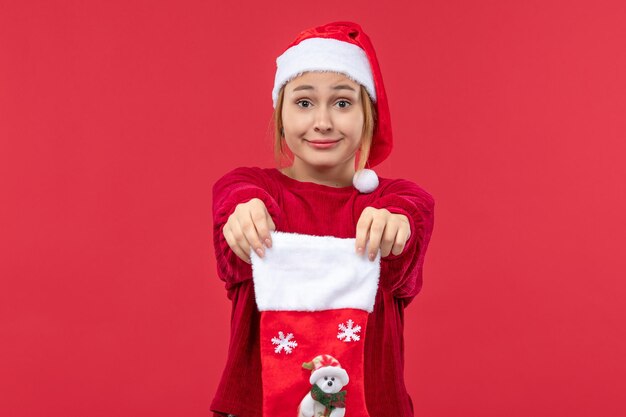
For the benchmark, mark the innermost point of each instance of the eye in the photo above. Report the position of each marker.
(325, 378)
(303, 101)
(332, 379)
(344, 101)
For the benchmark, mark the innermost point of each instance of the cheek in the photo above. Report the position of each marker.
(294, 123)
(353, 124)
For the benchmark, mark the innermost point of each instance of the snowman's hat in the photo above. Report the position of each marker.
(326, 365)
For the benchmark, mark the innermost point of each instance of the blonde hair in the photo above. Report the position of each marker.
(369, 121)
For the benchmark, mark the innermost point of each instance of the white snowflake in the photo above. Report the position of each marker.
(348, 332)
(283, 342)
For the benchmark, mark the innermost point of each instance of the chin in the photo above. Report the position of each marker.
(322, 164)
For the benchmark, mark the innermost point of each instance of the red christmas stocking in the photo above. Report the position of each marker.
(315, 294)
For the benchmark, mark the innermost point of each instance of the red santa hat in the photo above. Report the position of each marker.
(342, 47)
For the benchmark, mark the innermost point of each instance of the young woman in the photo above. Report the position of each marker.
(331, 121)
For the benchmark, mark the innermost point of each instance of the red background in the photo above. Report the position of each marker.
(117, 117)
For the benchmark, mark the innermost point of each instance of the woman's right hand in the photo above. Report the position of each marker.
(249, 227)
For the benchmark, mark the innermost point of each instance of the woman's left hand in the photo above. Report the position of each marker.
(387, 231)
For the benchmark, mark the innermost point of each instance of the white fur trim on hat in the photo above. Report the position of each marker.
(324, 54)
(330, 371)
(303, 272)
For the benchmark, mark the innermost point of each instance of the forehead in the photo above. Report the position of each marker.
(321, 80)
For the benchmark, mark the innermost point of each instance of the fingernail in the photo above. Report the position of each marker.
(260, 252)
(268, 243)
(372, 256)
(359, 250)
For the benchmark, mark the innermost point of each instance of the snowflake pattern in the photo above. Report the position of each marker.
(284, 343)
(348, 332)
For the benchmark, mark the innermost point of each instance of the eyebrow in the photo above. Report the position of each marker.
(337, 87)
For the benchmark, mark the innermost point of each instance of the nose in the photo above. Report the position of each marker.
(330, 383)
(323, 121)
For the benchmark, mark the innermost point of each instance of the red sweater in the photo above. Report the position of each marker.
(315, 209)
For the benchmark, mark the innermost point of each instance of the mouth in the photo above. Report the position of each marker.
(322, 141)
(322, 144)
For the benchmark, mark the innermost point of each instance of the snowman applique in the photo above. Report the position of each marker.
(326, 397)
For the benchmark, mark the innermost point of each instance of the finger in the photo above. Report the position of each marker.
(376, 234)
(260, 219)
(234, 246)
(240, 238)
(389, 238)
(270, 221)
(362, 230)
(402, 237)
(272, 227)
(251, 234)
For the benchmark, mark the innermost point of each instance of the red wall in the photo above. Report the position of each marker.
(117, 117)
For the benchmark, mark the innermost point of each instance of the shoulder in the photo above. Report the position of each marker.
(406, 188)
(248, 171)
(248, 174)
(247, 182)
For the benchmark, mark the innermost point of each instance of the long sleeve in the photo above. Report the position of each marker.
(310, 208)
(238, 186)
(402, 274)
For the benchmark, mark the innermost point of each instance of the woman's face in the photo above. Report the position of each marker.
(323, 106)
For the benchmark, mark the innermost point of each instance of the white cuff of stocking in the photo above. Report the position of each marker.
(303, 272)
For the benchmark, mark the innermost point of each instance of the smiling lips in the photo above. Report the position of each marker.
(322, 143)
(323, 140)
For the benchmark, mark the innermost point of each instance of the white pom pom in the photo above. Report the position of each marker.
(365, 180)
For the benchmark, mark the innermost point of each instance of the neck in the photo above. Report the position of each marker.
(337, 176)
